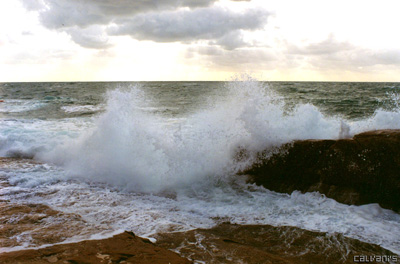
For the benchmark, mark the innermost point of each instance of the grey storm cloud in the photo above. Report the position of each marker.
(156, 20)
(62, 13)
(91, 37)
(185, 25)
(231, 40)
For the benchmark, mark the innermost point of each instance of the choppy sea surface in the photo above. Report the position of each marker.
(159, 156)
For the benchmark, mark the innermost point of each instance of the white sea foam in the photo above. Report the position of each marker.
(28, 138)
(107, 209)
(81, 108)
(16, 106)
(142, 151)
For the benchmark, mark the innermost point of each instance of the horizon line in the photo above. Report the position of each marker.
(4, 82)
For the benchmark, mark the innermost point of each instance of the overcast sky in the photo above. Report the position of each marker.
(162, 40)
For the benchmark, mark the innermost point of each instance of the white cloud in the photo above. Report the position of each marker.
(242, 59)
(38, 57)
(284, 37)
(33, 5)
(327, 46)
(331, 54)
(358, 58)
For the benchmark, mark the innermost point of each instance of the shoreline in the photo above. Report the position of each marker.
(224, 243)
(121, 248)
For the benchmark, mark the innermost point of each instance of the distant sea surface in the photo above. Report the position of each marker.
(159, 156)
(351, 100)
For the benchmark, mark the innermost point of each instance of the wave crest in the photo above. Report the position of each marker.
(143, 151)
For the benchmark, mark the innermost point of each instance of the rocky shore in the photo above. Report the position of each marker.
(122, 248)
(225, 243)
(361, 170)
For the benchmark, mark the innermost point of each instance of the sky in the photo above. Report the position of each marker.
(183, 40)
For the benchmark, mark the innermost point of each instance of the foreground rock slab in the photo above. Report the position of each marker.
(123, 248)
(38, 225)
(226, 243)
(361, 170)
(265, 244)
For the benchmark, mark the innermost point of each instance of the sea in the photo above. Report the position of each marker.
(153, 157)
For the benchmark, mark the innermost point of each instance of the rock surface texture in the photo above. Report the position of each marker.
(225, 243)
(265, 244)
(123, 248)
(361, 170)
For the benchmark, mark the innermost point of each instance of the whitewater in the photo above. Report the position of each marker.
(161, 157)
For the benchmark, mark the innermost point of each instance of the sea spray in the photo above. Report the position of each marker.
(385, 117)
(144, 152)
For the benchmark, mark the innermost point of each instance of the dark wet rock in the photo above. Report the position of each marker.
(361, 170)
(123, 248)
(229, 243)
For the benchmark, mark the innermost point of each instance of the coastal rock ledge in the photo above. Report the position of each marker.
(123, 248)
(361, 170)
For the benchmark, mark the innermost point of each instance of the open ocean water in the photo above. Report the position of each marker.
(159, 156)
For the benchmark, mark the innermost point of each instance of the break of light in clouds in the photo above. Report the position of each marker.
(122, 40)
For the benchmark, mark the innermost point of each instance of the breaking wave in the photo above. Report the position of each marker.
(148, 152)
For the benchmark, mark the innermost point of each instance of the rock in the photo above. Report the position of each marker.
(122, 248)
(361, 170)
(40, 225)
(229, 243)
(51, 259)
(102, 257)
(37, 224)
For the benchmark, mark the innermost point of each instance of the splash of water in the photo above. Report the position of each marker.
(144, 152)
